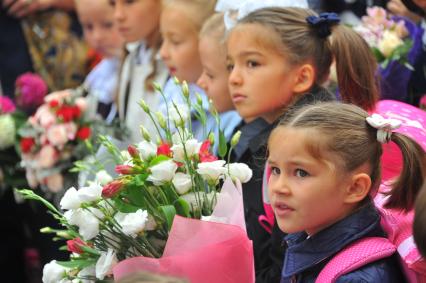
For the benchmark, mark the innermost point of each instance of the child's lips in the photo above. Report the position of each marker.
(281, 209)
(172, 70)
(238, 97)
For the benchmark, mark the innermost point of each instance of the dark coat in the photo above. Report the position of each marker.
(268, 251)
(306, 257)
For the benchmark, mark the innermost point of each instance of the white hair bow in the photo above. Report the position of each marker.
(245, 7)
(384, 126)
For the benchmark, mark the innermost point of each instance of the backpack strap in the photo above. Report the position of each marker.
(354, 256)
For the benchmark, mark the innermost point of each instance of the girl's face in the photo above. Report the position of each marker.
(214, 79)
(260, 80)
(306, 194)
(137, 19)
(180, 44)
(100, 31)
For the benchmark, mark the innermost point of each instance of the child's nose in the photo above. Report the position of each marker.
(164, 54)
(201, 81)
(235, 77)
(118, 11)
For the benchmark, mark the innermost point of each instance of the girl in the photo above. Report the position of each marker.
(277, 59)
(101, 33)
(138, 22)
(325, 162)
(214, 78)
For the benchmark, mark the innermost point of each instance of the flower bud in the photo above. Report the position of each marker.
(63, 235)
(211, 138)
(176, 80)
(235, 138)
(145, 133)
(185, 89)
(157, 86)
(124, 169)
(199, 99)
(46, 230)
(161, 120)
(133, 151)
(112, 189)
(74, 245)
(144, 106)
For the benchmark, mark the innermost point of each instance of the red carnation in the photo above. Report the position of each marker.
(112, 188)
(164, 149)
(75, 245)
(27, 144)
(83, 133)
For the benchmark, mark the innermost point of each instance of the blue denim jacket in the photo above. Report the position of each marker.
(306, 257)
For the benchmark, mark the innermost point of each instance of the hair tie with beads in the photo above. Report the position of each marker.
(323, 23)
(384, 127)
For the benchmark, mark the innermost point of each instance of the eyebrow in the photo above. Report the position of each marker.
(246, 53)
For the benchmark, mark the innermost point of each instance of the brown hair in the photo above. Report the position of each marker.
(302, 43)
(203, 9)
(345, 132)
(419, 226)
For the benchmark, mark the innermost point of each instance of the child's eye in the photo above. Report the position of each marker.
(252, 64)
(108, 25)
(229, 67)
(301, 173)
(210, 76)
(275, 170)
(111, 2)
(130, 1)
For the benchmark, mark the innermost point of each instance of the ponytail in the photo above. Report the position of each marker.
(355, 67)
(407, 186)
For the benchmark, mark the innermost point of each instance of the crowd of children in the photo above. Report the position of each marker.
(264, 68)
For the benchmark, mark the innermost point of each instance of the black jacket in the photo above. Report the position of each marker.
(252, 149)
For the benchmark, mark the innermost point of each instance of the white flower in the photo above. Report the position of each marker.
(87, 271)
(147, 149)
(127, 159)
(182, 183)
(192, 147)
(53, 272)
(7, 133)
(103, 177)
(389, 42)
(181, 136)
(162, 172)
(132, 223)
(179, 116)
(212, 171)
(70, 200)
(91, 193)
(86, 221)
(240, 171)
(105, 264)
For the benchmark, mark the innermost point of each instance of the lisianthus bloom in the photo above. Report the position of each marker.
(75, 245)
(30, 90)
(164, 149)
(6, 105)
(204, 154)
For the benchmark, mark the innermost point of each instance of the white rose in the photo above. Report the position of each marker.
(182, 183)
(192, 147)
(70, 200)
(147, 149)
(212, 171)
(132, 223)
(389, 42)
(240, 171)
(91, 193)
(103, 177)
(162, 172)
(105, 264)
(8, 131)
(53, 272)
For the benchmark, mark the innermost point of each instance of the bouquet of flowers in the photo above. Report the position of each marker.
(53, 138)
(168, 174)
(388, 37)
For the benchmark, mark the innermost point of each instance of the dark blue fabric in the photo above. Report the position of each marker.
(306, 257)
(323, 23)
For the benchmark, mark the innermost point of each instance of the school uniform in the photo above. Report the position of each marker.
(306, 256)
(268, 251)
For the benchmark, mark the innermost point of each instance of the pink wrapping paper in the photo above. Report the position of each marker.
(204, 251)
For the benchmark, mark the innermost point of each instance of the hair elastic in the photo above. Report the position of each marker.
(384, 127)
(323, 23)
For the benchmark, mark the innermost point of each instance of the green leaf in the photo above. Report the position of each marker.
(158, 160)
(169, 213)
(379, 55)
(124, 206)
(182, 207)
(89, 250)
(223, 148)
(77, 263)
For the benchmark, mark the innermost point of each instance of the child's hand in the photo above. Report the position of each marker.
(398, 8)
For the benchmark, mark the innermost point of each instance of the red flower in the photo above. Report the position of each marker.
(75, 245)
(83, 133)
(53, 103)
(133, 151)
(124, 169)
(112, 189)
(164, 149)
(66, 113)
(204, 153)
(27, 144)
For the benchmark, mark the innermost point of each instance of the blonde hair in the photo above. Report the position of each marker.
(301, 43)
(202, 9)
(344, 131)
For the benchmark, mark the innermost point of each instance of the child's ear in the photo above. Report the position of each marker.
(305, 77)
(358, 189)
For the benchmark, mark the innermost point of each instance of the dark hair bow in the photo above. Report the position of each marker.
(323, 23)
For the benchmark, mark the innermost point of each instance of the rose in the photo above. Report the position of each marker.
(181, 152)
(30, 90)
(147, 149)
(59, 96)
(212, 171)
(47, 157)
(6, 105)
(105, 263)
(162, 172)
(240, 171)
(389, 43)
(44, 116)
(71, 129)
(53, 272)
(57, 135)
(27, 144)
(55, 182)
(132, 223)
(182, 183)
(84, 133)
(7, 132)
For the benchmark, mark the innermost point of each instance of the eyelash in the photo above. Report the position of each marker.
(229, 67)
(252, 64)
(300, 173)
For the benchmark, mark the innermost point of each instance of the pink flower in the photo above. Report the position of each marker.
(57, 135)
(423, 102)
(124, 169)
(31, 178)
(58, 96)
(81, 103)
(55, 182)
(47, 157)
(112, 189)
(71, 129)
(44, 116)
(30, 90)
(6, 105)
